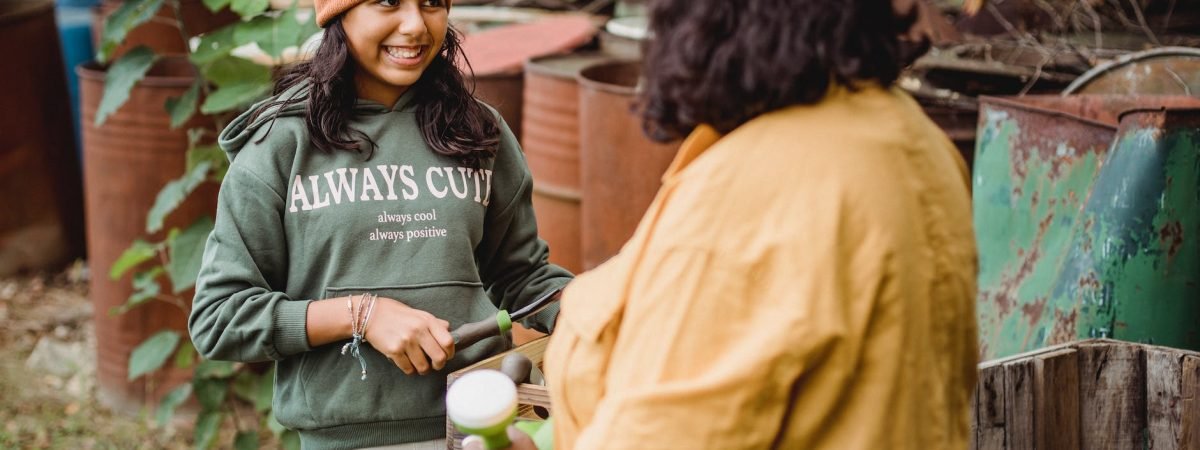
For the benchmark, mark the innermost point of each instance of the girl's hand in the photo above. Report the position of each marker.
(413, 339)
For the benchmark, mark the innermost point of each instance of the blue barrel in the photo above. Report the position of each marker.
(74, 19)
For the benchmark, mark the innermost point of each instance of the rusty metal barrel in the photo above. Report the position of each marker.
(550, 138)
(127, 161)
(502, 90)
(41, 227)
(621, 169)
(1086, 212)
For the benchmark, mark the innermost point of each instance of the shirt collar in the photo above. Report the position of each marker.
(695, 145)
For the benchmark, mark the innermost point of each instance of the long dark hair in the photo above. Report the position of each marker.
(452, 122)
(723, 63)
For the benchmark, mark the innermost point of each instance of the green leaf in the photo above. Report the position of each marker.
(245, 384)
(151, 354)
(214, 45)
(214, 155)
(255, 389)
(249, 8)
(266, 390)
(239, 83)
(185, 357)
(273, 424)
(215, 369)
(187, 252)
(208, 426)
(166, 408)
(139, 252)
(145, 289)
(246, 440)
(231, 71)
(274, 34)
(210, 392)
(122, 76)
(173, 194)
(261, 30)
(183, 107)
(128, 16)
(233, 97)
(216, 5)
(290, 440)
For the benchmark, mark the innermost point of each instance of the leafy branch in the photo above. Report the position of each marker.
(232, 67)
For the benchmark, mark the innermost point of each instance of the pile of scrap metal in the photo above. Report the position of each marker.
(1018, 47)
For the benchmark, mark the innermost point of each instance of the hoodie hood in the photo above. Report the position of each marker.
(292, 102)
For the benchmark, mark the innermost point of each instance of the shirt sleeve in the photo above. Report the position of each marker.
(514, 261)
(238, 313)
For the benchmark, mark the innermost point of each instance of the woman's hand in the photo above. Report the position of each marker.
(520, 441)
(413, 339)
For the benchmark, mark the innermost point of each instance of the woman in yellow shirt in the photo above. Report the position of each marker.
(805, 278)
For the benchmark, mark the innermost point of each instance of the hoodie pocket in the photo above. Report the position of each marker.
(332, 384)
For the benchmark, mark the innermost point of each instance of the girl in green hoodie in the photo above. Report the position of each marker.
(371, 196)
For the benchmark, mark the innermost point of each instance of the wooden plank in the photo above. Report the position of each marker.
(535, 350)
(1189, 426)
(1032, 353)
(1112, 390)
(1018, 405)
(989, 394)
(1162, 398)
(1056, 400)
(973, 423)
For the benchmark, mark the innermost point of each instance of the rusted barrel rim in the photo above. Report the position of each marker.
(539, 66)
(589, 83)
(1162, 110)
(1120, 112)
(1014, 104)
(560, 193)
(24, 10)
(168, 72)
(1125, 60)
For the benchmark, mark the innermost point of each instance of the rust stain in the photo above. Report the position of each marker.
(1171, 236)
(1064, 328)
(1089, 282)
(1004, 303)
(1005, 298)
(1033, 311)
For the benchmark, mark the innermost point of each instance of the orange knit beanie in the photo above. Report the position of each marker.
(328, 9)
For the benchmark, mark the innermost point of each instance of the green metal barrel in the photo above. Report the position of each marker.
(1087, 216)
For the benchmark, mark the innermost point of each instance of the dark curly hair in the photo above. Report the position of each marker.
(452, 122)
(722, 63)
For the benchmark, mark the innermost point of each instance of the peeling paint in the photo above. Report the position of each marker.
(1087, 228)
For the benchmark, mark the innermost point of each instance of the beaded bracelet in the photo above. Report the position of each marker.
(359, 317)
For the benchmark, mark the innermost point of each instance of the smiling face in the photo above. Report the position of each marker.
(393, 41)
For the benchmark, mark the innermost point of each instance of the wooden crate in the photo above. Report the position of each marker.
(529, 396)
(1093, 394)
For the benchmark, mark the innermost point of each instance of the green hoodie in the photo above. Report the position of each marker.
(295, 224)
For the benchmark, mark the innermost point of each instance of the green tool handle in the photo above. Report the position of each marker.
(468, 334)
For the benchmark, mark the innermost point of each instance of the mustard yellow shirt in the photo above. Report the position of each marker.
(805, 282)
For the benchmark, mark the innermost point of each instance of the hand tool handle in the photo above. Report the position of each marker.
(517, 367)
(468, 334)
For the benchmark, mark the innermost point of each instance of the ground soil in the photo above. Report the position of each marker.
(42, 410)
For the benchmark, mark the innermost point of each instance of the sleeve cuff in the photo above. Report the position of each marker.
(544, 320)
(291, 332)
